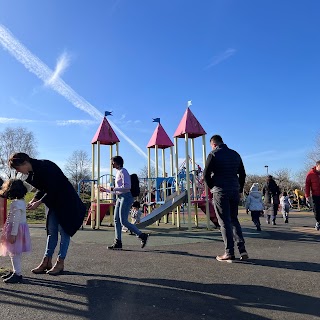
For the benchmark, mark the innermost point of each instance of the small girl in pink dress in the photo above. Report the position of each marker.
(15, 237)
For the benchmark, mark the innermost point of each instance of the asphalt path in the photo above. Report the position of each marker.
(176, 276)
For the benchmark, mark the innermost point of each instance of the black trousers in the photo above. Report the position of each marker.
(316, 207)
(226, 207)
(255, 216)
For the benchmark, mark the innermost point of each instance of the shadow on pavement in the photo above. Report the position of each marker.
(290, 265)
(118, 298)
(279, 233)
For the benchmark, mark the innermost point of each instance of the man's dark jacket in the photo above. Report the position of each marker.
(224, 170)
(57, 193)
(271, 192)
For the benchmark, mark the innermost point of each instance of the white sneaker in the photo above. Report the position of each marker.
(317, 226)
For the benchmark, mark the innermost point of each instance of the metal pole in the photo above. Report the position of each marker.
(204, 155)
(98, 188)
(92, 208)
(188, 181)
(177, 182)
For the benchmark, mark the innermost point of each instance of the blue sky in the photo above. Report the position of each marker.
(251, 69)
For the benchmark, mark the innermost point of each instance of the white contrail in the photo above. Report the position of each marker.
(43, 72)
(62, 63)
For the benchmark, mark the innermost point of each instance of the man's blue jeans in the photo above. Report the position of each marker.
(53, 228)
(226, 207)
(121, 213)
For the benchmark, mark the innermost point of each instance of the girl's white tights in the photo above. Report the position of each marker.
(16, 263)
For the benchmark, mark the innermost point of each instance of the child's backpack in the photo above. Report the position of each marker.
(135, 185)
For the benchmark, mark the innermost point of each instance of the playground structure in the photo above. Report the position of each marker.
(160, 140)
(106, 203)
(103, 136)
(184, 184)
(190, 129)
(299, 201)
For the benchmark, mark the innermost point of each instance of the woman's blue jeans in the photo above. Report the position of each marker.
(53, 228)
(121, 213)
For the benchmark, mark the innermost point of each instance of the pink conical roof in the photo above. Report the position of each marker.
(105, 134)
(190, 125)
(160, 139)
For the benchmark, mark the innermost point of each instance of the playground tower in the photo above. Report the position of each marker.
(104, 136)
(190, 128)
(160, 140)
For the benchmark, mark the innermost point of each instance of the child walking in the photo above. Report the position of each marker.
(254, 203)
(15, 237)
(285, 204)
(135, 214)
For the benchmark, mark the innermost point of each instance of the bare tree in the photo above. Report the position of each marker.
(282, 177)
(15, 140)
(146, 184)
(312, 158)
(300, 177)
(314, 155)
(253, 178)
(143, 173)
(284, 181)
(78, 167)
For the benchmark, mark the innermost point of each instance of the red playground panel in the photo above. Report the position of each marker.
(202, 205)
(3, 211)
(104, 209)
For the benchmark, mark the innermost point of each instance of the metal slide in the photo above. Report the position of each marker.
(171, 202)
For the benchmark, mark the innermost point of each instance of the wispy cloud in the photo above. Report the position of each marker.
(221, 57)
(62, 63)
(34, 65)
(274, 155)
(261, 154)
(126, 123)
(76, 122)
(14, 120)
(114, 6)
(56, 122)
(18, 103)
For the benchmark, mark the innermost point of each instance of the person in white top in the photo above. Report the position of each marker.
(285, 204)
(15, 237)
(255, 204)
(123, 204)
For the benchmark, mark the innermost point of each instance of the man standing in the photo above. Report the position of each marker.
(225, 176)
(313, 185)
(271, 192)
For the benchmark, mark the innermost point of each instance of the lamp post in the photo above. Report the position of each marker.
(267, 168)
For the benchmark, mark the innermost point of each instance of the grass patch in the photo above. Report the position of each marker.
(38, 215)
(33, 216)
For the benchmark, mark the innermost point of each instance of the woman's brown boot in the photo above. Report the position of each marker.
(57, 268)
(46, 264)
